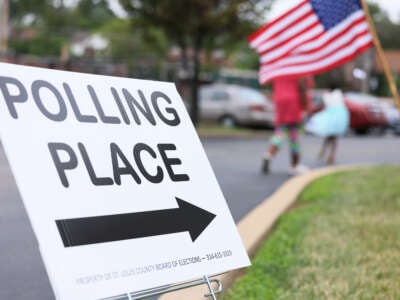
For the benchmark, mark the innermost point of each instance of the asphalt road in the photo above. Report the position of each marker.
(237, 164)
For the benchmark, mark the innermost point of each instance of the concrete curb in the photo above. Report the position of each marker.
(254, 227)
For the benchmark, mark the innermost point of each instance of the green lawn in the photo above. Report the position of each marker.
(341, 241)
(209, 129)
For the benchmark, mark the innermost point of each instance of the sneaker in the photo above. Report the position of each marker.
(265, 166)
(330, 161)
(298, 170)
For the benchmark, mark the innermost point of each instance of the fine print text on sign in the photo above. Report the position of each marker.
(115, 181)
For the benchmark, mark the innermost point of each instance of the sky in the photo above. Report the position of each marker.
(392, 7)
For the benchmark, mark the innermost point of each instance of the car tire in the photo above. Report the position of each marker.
(382, 130)
(227, 121)
(396, 129)
(361, 131)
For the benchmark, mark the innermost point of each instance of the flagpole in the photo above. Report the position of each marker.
(381, 55)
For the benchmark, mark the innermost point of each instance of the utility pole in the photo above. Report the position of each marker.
(4, 6)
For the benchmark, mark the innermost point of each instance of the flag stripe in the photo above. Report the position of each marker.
(282, 24)
(340, 41)
(314, 36)
(353, 19)
(356, 42)
(308, 22)
(265, 79)
(317, 40)
(290, 46)
(321, 65)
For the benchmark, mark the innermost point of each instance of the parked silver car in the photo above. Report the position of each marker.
(231, 105)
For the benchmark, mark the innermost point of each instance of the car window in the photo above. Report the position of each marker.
(252, 96)
(219, 96)
(205, 93)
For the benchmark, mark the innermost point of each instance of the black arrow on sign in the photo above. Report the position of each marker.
(100, 229)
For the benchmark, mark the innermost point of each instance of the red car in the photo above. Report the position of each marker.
(365, 111)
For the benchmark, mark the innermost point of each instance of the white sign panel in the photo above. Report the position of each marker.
(115, 181)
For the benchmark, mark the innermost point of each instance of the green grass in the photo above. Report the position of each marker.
(208, 129)
(341, 241)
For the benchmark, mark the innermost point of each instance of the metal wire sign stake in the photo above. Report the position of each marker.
(174, 287)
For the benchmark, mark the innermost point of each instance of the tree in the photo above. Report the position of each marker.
(192, 24)
(30, 21)
(54, 23)
(385, 28)
(91, 14)
(21, 8)
(141, 55)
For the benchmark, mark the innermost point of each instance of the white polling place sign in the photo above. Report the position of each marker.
(117, 186)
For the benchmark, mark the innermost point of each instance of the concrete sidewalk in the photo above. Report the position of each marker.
(254, 227)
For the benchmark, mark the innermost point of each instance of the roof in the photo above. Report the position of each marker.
(393, 59)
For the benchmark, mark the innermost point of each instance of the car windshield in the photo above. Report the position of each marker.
(251, 96)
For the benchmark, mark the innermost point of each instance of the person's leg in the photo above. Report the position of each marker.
(275, 143)
(296, 168)
(293, 135)
(324, 146)
(332, 151)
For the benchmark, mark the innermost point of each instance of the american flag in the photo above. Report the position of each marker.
(312, 37)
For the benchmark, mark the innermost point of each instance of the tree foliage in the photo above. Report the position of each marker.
(196, 25)
(141, 53)
(387, 30)
(53, 23)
